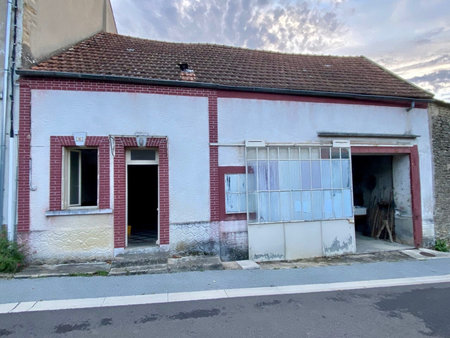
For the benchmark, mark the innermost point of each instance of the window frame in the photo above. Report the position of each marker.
(223, 216)
(66, 178)
(239, 193)
(265, 193)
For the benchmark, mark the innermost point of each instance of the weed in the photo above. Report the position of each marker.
(85, 274)
(11, 257)
(441, 245)
(102, 273)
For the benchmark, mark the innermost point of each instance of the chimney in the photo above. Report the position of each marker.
(186, 74)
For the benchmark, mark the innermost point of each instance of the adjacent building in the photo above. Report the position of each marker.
(31, 31)
(439, 112)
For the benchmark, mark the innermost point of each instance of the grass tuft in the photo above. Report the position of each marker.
(11, 257)
(441, 245)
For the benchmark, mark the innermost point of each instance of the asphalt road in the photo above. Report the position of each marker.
(409, 311)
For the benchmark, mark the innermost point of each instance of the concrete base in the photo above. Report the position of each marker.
(297, 240)
(248, 265)
(366, 244)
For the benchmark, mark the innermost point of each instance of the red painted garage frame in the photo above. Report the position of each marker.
(414, 175)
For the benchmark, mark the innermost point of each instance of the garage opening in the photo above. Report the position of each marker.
(142, 202)
(382, 200)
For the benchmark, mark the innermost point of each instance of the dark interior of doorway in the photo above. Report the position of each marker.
(142, 204)
(373, 195)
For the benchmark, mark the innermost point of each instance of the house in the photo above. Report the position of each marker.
(31, 31)
(132, 144)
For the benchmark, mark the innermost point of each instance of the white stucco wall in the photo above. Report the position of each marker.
(284, 121)
(402, 184)
(184, 120)
(404, 232)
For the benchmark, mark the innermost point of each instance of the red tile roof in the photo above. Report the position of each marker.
(118, 55)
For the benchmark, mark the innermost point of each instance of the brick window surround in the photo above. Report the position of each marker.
(120, 187)
(57, 143)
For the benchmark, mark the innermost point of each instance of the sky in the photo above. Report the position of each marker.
(409, 37)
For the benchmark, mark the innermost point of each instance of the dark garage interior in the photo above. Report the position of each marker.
(142, 204)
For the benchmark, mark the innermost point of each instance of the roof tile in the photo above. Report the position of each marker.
(118, 55)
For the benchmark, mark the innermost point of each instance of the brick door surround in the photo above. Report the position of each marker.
(120, 187)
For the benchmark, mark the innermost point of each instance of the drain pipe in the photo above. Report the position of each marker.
(12, 144)
(10, 228)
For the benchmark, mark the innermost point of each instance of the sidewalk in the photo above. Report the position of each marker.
(353, 268)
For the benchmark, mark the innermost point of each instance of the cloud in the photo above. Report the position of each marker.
(284, 25)
(436, 82)
(433, 62)
(409, 37)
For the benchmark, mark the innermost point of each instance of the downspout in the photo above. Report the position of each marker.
(4, 115)
(12, 148)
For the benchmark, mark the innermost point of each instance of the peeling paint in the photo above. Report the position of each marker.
(268, 257)
(340, 247)
(197, 248)
(233, 245)
(228, 253)
(73, 238)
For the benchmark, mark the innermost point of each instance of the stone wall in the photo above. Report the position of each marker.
(440, 131)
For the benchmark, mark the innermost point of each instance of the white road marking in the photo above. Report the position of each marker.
(64, 304)
(136, 300)
(197, 295)
(7, 307)
(84, 303)
(23, 307)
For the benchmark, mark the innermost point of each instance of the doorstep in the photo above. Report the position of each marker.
(131, 264)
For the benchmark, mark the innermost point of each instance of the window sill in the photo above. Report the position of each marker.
(75, 212)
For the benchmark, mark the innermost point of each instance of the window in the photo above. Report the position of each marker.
(298, 183)
(235, 194)
(142, 155)
(81, 177)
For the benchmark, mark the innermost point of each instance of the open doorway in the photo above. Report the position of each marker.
(382, 200)
(142, 203)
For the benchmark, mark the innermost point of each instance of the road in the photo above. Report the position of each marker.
(407, 311)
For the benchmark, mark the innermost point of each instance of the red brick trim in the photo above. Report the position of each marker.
(57, 143)
(23, 184)
(120, 186)
(213, 160)
(416, 203)
(105, 86)
(299, 98)
(223, 215)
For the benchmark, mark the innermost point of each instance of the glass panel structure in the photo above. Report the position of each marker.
(302, 183)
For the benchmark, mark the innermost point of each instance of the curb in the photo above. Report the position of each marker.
(84, 303)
